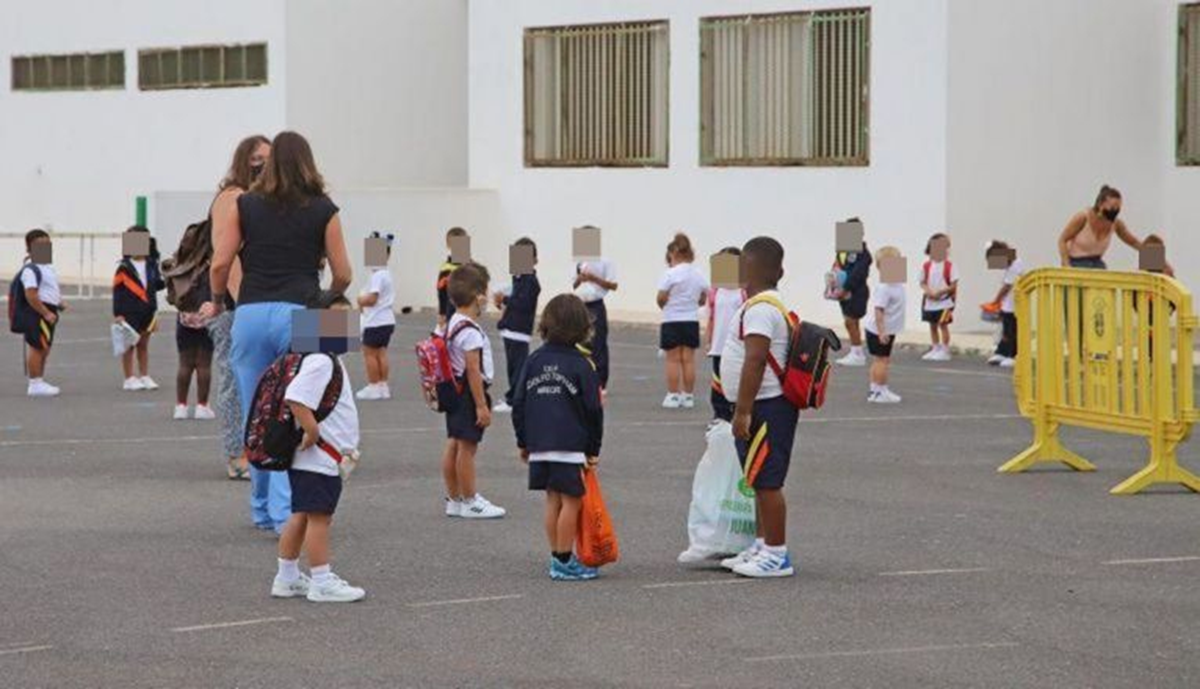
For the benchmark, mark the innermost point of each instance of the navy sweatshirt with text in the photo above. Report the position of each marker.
(556, 406)
(520, 307)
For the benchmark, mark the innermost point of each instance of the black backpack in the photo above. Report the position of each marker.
(20, 313)
(271, 436)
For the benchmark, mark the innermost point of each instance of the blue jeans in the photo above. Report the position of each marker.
(262, 333)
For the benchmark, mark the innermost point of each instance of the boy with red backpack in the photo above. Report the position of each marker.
(939, 282)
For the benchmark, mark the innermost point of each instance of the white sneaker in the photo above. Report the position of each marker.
(480, 508)
(672, 401)
(886, 397)
(765, 565)
(453, 507)
(994, 360)
(369, 392)
(181, 412)
(41, 388)
(872, 395)
(854, 358)
(291, 589)
(929, 356)
(204, 413)
(148, 383)
(385, 391)
(133, 384)
(742, 557)
(502, 408)
(941, 354)
(1007, 362)
(334, 590)
(688, 401)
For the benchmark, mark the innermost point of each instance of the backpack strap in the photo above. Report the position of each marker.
(37, 273)
(775, 302)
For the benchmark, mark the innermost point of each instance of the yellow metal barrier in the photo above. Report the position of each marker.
(1110, 351)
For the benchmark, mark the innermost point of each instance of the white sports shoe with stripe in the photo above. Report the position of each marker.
(741, 558)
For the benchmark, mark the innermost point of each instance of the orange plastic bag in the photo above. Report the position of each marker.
(596, 541)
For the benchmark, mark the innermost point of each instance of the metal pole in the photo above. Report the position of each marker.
(141, 211)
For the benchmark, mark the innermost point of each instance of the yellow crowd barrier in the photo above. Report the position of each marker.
(1109, 351)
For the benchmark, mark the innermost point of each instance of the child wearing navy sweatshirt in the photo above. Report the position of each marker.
(135, 301)
(559, 422)
(519, 305)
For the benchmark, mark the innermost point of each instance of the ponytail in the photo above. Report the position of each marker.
(1106, 193)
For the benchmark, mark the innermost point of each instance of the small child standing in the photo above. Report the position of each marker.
(195, 348)
(377, 302)
(682, 290)
(135, 302)
(886, 321)
(316, 480)
(519, 309)
(559, 422)
(1006, 349)
(593, 281)
(764, 421)
(43, 304)
(856, 295)
(471, 363)
(445, 305)
(939, 282)
(723, 304)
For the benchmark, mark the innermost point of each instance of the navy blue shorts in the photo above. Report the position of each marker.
(679, 334)
(766, 456)
(461, 418)
(560, 477)
(938, 316)
(141, 321)
(856, 306)
(877, 348)
(313, 492)
(378, 337)
(192, 339)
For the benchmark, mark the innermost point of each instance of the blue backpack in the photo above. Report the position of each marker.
(20, 313)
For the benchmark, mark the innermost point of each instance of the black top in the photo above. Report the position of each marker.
(520, 307)
(282, 247)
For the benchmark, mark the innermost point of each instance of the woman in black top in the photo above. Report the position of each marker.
(285, 225)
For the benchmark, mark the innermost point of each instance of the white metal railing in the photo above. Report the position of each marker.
(82, 260)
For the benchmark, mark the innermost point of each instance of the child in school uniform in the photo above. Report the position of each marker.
(884, 322)
(764, 421)
(682, 290)
(1006, 349)
(445, 304)
(43, 297)
(559, 422)
(856, 293)
(315, 477)
(195, 348)
(471, 362)
(377, 302)
(723, 303)
(939, 283)
(519, 306)
(593, 281)
(135, 301)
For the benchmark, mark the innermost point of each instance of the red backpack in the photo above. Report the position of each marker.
(271, 433)
(947, 269)
(804, 375)
(439, 387)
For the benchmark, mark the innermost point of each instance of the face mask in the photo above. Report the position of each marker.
(1111, 213)
(255, 171)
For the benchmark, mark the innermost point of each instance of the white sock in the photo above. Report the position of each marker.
(321, 574)
(289, 570)
(856, 351)
(36, 381)
(778, 550)
(760, 543)
(875, 387)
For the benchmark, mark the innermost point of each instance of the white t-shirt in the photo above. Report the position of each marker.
(140, 267)
(892, 299)
(340, 428)
(590, 291)
(683, 285)
(48, 290)
(1011, 275)
(937, 281)
(725, 303)
(760, 319)
(468, 339)
(381, 313)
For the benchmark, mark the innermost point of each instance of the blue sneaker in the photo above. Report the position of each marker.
(571, 570)
(765, 564)
(581, 570)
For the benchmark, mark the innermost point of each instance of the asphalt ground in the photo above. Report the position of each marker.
(128, 560)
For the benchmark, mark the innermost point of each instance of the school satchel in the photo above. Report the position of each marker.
(272, 436)
(440, 389)
(186, 271)
(595, 539)
(20, 313)
(804, 375)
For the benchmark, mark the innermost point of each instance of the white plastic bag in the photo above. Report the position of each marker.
(124, 338)
(721, 518)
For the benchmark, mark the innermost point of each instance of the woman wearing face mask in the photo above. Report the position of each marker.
(1086, 237)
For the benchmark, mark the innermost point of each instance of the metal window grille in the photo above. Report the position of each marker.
(1188, 141)
(785, 89)
(69, 72)
(207, 66)
(597, 95)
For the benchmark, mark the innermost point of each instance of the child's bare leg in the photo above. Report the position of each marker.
(465, 466)
(568, 524)
(687, 357)
(316, 540)
(35, 360)
(672, 364)
(879, 370)
(773, 516)
(293, 536)
(945, 328)
(203, 376)
(372, 366)
(933, 333)
(854, 331)
(450, 469)
(143, 355)
(381, 365)
(127, 362)
(553, 507)
(183, 376)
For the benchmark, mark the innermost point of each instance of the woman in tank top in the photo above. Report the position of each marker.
(285, 225)
(1089, 233)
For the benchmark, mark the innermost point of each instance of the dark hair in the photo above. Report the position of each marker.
(455, 232)
(934, 236)
(681, 246)
(467, 282)
(34, 235)
(565, 321)
(291, 175)
(731, 250)
(240, 174)
(1153, 240)
(1106, 192)
(998, 244)
(764, 251)
(526, 241)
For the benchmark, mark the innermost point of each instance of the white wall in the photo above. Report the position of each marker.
(76, 160)
(380, 88)
(900, 196)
